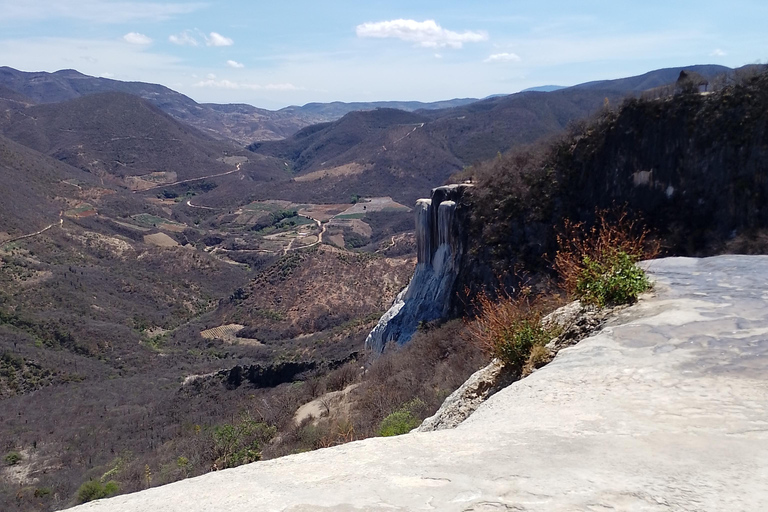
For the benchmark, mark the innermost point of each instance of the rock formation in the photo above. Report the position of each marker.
(440, 241)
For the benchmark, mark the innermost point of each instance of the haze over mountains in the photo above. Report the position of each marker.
(119, 129)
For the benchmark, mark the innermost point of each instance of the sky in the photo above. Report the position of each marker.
(291, 52)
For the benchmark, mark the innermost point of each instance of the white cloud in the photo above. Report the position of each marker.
(99, 11)
(216, 39)
(718, 53)
(438, 56)
(235, 64)
(227, 84)
(183, 39)
(136, 38)
(427, 34)
(503, 57)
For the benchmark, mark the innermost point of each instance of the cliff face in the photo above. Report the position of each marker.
(441, 244)
(693, 167)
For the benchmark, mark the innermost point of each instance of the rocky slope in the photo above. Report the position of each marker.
(662, 409)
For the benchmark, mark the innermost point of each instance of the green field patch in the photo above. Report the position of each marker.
(83, 210)
(145, 219)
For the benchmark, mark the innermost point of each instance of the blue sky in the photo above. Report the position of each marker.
(273, 54)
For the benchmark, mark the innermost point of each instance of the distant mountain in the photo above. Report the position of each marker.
(337, 109)
(544, 88)
(240, 122)
(653, 79)
(399, 154)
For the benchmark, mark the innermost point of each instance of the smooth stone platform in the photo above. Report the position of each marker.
(665, 409)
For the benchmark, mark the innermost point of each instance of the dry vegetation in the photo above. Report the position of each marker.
(598, 264)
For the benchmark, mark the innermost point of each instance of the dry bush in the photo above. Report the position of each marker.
(597, 263)
(510, 328)
(342, 377)
(429, 368)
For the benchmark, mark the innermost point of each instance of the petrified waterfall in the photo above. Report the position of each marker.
(440, 246)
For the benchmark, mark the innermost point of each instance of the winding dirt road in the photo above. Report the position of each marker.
(319, 236)
(236, 169)
(30, 235)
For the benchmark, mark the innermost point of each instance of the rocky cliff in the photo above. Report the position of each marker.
(693, 166)
(663, 409)
(441, 244)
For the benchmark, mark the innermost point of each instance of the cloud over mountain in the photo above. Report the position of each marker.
(216, 39)
(503, 57)
(427, 34)
(136, 38)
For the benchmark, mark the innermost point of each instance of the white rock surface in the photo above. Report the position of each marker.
(440, 248)
(665, 409)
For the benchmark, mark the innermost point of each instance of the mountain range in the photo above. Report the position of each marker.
(240, 122)
(142, 243)
(327, 152)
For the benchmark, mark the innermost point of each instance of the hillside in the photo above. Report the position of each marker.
(404, 154)
(242, 123)
(368, 152)
(33, 188)
(693, 166)
(657, 78)
(674, 383)
(115, 134)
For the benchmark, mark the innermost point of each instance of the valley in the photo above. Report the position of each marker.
(177, 292)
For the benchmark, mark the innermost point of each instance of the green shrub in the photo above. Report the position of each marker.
(397, 423)
(240, 443)
(598, 265)
(518, 339)
(12, 458)
(403, 420)
(42, 492)
(614, 280)
(95, 490)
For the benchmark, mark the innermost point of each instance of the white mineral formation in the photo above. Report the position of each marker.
(664, 409)
(440, 249)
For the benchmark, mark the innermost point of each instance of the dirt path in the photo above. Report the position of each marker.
(420, 125)
(189, 203)
(236, 169)
(22, 237)
(319, 236)
(395, 239)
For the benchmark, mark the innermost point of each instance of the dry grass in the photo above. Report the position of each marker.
(602, 252)
(511, 329)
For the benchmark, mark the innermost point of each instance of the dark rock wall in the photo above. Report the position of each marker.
(694, 167)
